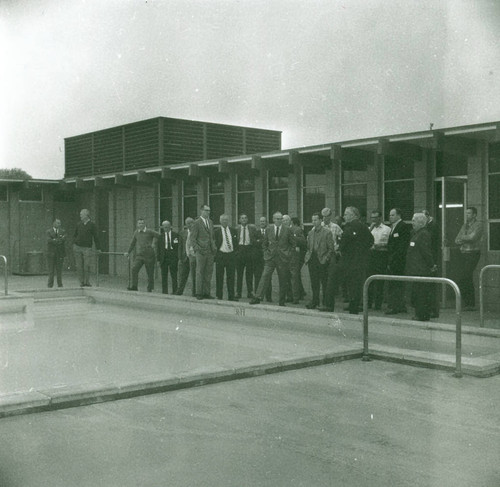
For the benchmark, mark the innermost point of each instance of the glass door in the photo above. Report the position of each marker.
(451, 203)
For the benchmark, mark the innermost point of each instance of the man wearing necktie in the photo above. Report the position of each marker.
(56, 251)
(245, 256)
(226, 241)
(187, 259)
(278, 245)
(258, 257)
(203, 243)
(144, 242)
(168, 256)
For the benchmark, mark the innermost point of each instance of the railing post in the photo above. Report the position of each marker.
(481, 291)
(6, 277)
(443, 280)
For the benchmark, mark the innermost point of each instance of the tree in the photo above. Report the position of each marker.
(14, 173)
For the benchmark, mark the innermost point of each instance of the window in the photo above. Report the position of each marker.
(216, 196)
(246, 196)
(277, 197)
(33, 194)
(166, 200)
(399, 186)
(494, 196)
(189, 199)
(450, 164)
(313, 192)
(354, 188)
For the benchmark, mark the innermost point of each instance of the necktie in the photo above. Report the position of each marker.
(228, 240)
(277, 232)
(168, 242)
(244, 234)
(206, 224)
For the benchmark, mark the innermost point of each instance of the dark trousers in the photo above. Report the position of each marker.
(294, 284)
(204, 271)
(319, 278)
(350, 274)
(224, 262)
(169, 264)
(244, 264)
(265, 281)
(377, 265)
(466, 279)
(421, 300)
(258, 267)
(149, 262)
(183, 271)
(55, 264)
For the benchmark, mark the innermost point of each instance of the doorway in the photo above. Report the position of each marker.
(451, 203)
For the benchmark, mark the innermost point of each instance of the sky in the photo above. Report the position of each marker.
(320, 71)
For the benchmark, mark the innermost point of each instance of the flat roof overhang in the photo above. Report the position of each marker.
(457, 139)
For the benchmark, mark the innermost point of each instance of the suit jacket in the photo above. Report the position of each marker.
(280, 249)
(325, 245)
(162, 252)
(253, 234)
(300, 243)
(397, 247)
(56, 244)
(355, 243)
(183, 235)
(219, 239)
(202, 238)
(419, 258)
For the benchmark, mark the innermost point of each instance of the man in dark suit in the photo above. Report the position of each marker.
(203, 243)
(294, 290)
(168, 256)
(354, 248)
(259, 258)
(320, 251)
(187, 259)
(247, 241)
(435, 232)
(420, 262)
(278, 245)
(397, 246)
(144, 241)
(226, 242)
(56, 251)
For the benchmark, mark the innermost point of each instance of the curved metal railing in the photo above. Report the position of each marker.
(438, 280)
(481, 289)
(5, 274)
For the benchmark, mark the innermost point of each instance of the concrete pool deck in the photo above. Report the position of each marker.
(226, 340)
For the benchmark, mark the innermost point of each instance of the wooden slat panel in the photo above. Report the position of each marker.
(78, 155)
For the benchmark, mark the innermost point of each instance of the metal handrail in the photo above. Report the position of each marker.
(5, 274)
(439, 280)
(124, 254)
(481, 297)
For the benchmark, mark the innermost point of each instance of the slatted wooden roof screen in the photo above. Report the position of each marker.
(161, 141)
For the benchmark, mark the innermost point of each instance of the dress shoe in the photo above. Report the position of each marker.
(255, 301)
(395, 311)
(250, 296)
(469, 308)
(87, 284)
(311, 306)
(207, 296)
(326, 308)
(295, 301)
(150, 290)
(416, 318)
(282, 303)
(434, 315)
(199, 297)
(131, 288)
(233, 299)
(238, 295)
(178, 293)
(269, 300)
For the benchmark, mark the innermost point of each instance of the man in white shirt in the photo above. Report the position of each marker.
(187, 259)
(326, 213)
(378, 258)
(226, 241)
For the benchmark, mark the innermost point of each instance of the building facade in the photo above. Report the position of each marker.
(444, 171)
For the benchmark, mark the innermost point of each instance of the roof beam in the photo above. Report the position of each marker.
(81, 184)
(454, 144)
(339, 153)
